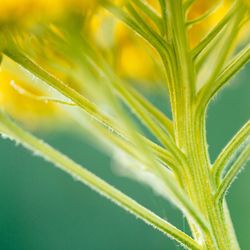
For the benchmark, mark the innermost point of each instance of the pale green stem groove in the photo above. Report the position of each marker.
(181, 48)
(200, 186)
(229, 226)
(8, 128)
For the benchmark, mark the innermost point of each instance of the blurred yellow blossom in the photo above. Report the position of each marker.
(133, 57)
(28, 110)
(197, 32)
(24, 11)
(130, 56)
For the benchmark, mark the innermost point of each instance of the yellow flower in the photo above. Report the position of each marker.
(130, 56)
(25, 11)
(133, 57)
(27, 109)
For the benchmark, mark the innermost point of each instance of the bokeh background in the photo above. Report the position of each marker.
(42, 208)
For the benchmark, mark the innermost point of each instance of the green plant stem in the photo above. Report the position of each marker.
(184, 79)
(126, 146)
(164, 18)
(57, 84)
(7, 127)
(200, 190)
(136, 102)
(187, 4)
(180, 41)
(89, 107)
(207, 92)
(213, 33)
(150, 12)
(211, 85)
(176, 192)
(230, 227)
(229, 151)
(155, 40)
(230, 70)
(201, 186)
(191, 138)
(203, 16)
(154, 112)
(232, 173)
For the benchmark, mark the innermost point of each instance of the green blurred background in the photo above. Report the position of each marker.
(42, 208)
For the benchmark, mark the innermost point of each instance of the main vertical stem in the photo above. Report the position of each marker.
(201, 187)
(189, 125)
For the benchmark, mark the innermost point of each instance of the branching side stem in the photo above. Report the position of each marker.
(7, 127)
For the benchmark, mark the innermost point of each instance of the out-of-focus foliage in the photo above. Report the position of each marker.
(130, 56)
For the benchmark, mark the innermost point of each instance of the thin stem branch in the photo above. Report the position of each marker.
(213, 33)
(84, 52)
(230, 36)
(229, 151)
(149, 12)
(236, 64)
(232, 173)
(203, 16)
(136, 102)
(126, 146)
(89, 107)
(143, 30)
(163, 120)
(37, 146)
(57, 84)
(155, 40)
(179, 196)
(188, 3)
(164, 18)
